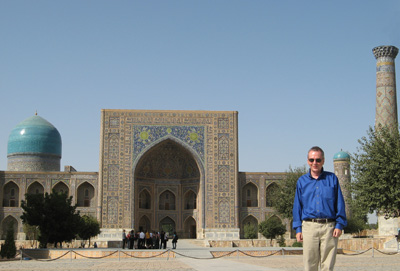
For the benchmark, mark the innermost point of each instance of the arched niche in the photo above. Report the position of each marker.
(167, 225)
(190, 200)
(248, 221)
(144, 199)
(190, 228)
(11, 195)
(269, 192)
(85, 195)
(250, 195)
(61, 187)
(144, 224)
(8, 222)
(36, 188)
(167, 201)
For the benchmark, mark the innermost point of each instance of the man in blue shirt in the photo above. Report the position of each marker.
(318, 213)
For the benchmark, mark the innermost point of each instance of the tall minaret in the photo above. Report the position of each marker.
(341, 164)
(386, 111)
(386, 101)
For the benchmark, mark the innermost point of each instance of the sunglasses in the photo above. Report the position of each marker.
(318, 160)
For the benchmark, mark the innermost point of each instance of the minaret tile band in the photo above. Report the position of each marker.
(386, 101)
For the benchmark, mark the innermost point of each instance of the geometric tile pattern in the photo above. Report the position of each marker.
(209, 137)
(386, 100)
(144, 135)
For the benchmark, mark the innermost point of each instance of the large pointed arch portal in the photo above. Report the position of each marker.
(164, 175)
(145, 153)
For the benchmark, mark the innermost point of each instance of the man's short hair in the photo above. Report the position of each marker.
(316, 149)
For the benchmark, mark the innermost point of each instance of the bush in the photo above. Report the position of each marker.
(355, 225)
(281, 241)
(8, 249)
(250, 231)
(271, 228)
(297, 244)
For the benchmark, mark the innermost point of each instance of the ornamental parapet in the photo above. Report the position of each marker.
(385, 51)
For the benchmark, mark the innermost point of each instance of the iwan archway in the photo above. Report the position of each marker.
(167, 188)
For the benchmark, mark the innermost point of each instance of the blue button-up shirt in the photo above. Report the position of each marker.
(319, 198)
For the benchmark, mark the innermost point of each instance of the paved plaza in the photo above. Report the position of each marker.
(363, 262)
(192, 258)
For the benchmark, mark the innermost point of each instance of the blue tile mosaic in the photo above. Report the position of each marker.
(145, 135)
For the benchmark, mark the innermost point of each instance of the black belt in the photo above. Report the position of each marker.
(320, 220)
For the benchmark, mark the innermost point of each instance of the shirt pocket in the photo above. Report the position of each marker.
(328, 192)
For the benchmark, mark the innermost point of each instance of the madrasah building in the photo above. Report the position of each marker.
(171, 170)
(175, 170)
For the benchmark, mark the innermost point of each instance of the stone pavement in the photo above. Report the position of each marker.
(368, 261)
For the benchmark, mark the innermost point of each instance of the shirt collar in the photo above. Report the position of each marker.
(320, 175)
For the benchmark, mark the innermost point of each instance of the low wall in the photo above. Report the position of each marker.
(255, 253)
(249, 243)
(70, 245)
(93, 253)
(346, 244)
(119, 254)
(349, 243)
(364, 243)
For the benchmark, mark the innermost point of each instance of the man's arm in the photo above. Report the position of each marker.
(297, 210)
(299, 237)
(341, 220)
(336, 233)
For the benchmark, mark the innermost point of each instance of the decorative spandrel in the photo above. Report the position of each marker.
(144, 135)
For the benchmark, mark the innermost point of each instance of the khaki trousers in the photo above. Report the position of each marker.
(319, 246)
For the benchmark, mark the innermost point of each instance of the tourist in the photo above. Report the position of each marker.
(123, 239)
(318, 213)
(154, 240)
(147, 235)
(174, 240)
(157, 240)
(131, 239)
(166, 237)
(162, 237)
(141, 243)
(128, 239)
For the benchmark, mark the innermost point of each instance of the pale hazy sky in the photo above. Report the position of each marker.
(300, 73)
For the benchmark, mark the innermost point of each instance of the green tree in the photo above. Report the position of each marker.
(359, 218)
(89, 228)
(376, 171)
(283, 198)
(281, 241)
(271, 228)
(250, 231)
(53, 214)
(32, 233)
(8, 249)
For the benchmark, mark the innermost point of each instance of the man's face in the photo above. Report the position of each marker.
(315, 161)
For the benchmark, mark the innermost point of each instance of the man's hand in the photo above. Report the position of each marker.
(336, 233)
(299, 237)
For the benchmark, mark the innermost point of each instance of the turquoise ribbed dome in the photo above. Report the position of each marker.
(341, 155)
(34, 135)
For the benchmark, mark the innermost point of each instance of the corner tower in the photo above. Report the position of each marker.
(341, 164)
(34, 145)
(386, 101)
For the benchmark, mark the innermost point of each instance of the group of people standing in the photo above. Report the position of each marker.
(147, 240)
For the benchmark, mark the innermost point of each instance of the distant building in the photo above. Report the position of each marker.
(171, 170)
